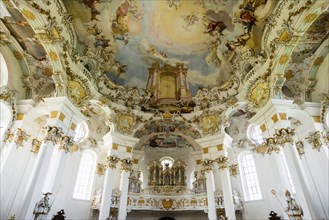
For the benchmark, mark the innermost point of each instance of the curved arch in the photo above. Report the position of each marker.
(3, 71)
(13, 65)
(300, 27)
(6, 116)
(81, 132)
(167, 160)
(254, 134)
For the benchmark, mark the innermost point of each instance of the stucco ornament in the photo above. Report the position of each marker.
(77, 92)
(259, 94)
(222, 162)
(209, 123)
(125, 122)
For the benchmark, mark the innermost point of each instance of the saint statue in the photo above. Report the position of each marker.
(293, 209)
(42, 207)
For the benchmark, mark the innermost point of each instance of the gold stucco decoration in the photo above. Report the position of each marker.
(259, 94)
(285, 36)
(283, 59)
(36, 144)
(125, 122)
(17, 55)
(209, 123)
(28, 14)
(53, 56)
(76, 92)
(318, 61)
(310, 17)
(167, 203)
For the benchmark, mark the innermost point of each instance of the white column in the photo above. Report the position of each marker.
(104, 210)
(124, 195)
(13, 161)
(33, 192)
(299, 181)
(210, 194)
(227, 193)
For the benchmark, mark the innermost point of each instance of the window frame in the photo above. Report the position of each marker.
(86, 193)
(166, 158)
(251, 187)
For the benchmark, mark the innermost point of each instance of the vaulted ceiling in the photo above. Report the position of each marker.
(237, 54)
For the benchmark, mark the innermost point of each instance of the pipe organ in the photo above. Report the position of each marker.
(159, 175)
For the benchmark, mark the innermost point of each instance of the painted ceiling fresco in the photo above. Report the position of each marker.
(301, 60)
(313, 38)
(24, 33)
(130, 35)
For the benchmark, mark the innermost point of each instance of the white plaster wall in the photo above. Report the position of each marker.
(62, 198)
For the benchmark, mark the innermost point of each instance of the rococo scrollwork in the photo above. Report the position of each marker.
(18, 137)
(222, 162)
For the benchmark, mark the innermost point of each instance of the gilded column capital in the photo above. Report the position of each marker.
(36, 144)
(127, 164)
(300, 148)
(67, 144)
(325, 137)
(284, 135)
(52, 133)
(269, 146)
(276, 142)
(314, 138)
(234, 169)
(207, 165)
(222, 162)
(18, 136)
(112, 161)
(100, 169)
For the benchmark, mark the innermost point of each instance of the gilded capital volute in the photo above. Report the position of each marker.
(207, 165)
(222, 162)
(112, 161)
(127, 164)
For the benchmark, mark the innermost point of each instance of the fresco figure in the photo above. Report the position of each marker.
(93, 11)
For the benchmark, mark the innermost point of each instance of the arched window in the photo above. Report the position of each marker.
(83, 185)
(255, 134)
(250, 183)
(166, 161)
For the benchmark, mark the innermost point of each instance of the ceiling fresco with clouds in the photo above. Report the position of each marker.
(130, 35)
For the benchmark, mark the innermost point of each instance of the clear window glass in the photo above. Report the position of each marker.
(166, 161)
(83, 185)
(250, 183)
